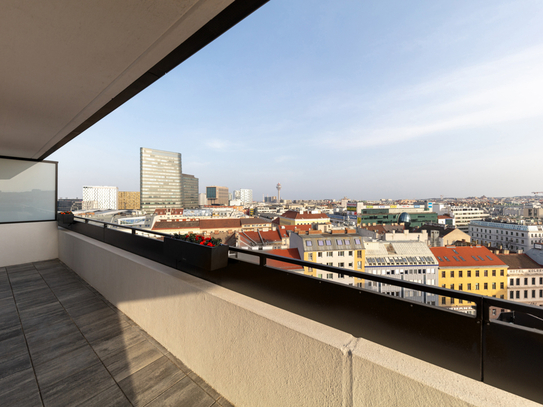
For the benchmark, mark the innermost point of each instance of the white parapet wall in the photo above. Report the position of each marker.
(27, 242)
(255, 354)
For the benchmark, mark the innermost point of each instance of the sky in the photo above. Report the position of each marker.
(368, 100)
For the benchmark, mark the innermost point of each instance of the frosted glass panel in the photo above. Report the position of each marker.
(27, 190)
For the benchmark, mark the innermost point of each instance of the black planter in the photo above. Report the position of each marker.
(204, 257)
(65, 219)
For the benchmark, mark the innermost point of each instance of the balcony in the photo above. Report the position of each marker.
(265, 337)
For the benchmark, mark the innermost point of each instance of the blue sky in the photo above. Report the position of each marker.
(368, 100)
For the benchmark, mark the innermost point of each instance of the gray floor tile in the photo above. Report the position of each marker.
(178, 363)
(12, 347)
(77, 388)
(111, 397)
(22, 395)
(14, 365)
(65, 365)
(29, 302)
(9, 320)
(36, 323)
(20, 267)
(222, 402)
(46, 264)
(134, 358)
(40, 311)
(207, 388)
(151, 381)
(109, 345)
(109, 326)
(19, 289)
(17, 379)
(183, 393)
(92, 314)
(50, 343)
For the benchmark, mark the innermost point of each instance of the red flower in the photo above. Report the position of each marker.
(201, 242)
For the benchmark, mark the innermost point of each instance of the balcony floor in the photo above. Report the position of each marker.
(63, 344)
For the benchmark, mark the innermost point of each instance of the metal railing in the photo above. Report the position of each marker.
(504, 355)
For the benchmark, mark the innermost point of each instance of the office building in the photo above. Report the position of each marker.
(160, 179)
(190, 191)
(217, 195)
(462, 215)
(525, 279)
(244, 195)
(100, 197)
(128, 200)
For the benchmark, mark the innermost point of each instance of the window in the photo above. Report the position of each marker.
(356, 241)
(459, 273)
(511, 281)
(517, 294)
(493, 286)
(533, 280)
(540, 280)
(525, 281)
(350, 252)
(341, 276)
(502, 285)
(469, 286)
(308, 243)
(476, 286)
(460, 287)
(494, 311)
(339, 242)
(476, 273)
(310, 256)
(329, 264)
(328, 242)
(443, 300)
(319, 254)
(330, 276)
(525, 293)
(329, 254)
(320, 242)
(469, 273)
(485, 286)
(341, 264)
(511, 295)
(540, 293)
(443, 274)
(452, 273)
(452, 286)
(359, 285)
(341, 254)
(493, 273)
(359, 254)
(501, 272)
(533, 293)
(359, 264)
(350, 264)
(518, 281)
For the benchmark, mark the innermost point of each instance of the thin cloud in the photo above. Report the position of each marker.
(485, 94)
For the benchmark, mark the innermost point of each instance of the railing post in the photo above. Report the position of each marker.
(262, 261)
(482, 318)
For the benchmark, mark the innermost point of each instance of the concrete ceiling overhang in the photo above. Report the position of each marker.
(67, 64)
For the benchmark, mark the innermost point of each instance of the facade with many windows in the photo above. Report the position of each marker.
(344, 250)
(509, 236)
(160, 180)
(525, 279)
(404, 260)
(100, 197)
(472, 269)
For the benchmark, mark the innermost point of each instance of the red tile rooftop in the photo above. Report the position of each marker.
(466, 256)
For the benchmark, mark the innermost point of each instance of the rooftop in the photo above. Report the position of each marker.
(62, 343)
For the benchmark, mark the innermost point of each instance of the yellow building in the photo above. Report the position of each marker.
(128, 200)
(472, 269)
(341, 248)
(301, 218)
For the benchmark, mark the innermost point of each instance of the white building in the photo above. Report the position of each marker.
(462, 215)
(100, 197)
(244, 195)
(409, 261)
(509, 236)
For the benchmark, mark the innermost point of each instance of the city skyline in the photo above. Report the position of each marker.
(364, 101)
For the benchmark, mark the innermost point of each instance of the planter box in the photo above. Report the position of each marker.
(204, 257)
(65, 219)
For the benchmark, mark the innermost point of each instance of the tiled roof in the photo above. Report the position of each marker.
(290, 253)
(466, 256)
(443, 217)
(518, 261)
(220, 223)
(269, 236)
(164, 224)
(298, 215)
(254, 221)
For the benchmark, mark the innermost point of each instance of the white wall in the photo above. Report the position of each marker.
(255, 354)
(27, 242)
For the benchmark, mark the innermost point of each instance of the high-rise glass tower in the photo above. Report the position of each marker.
(160, 180)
